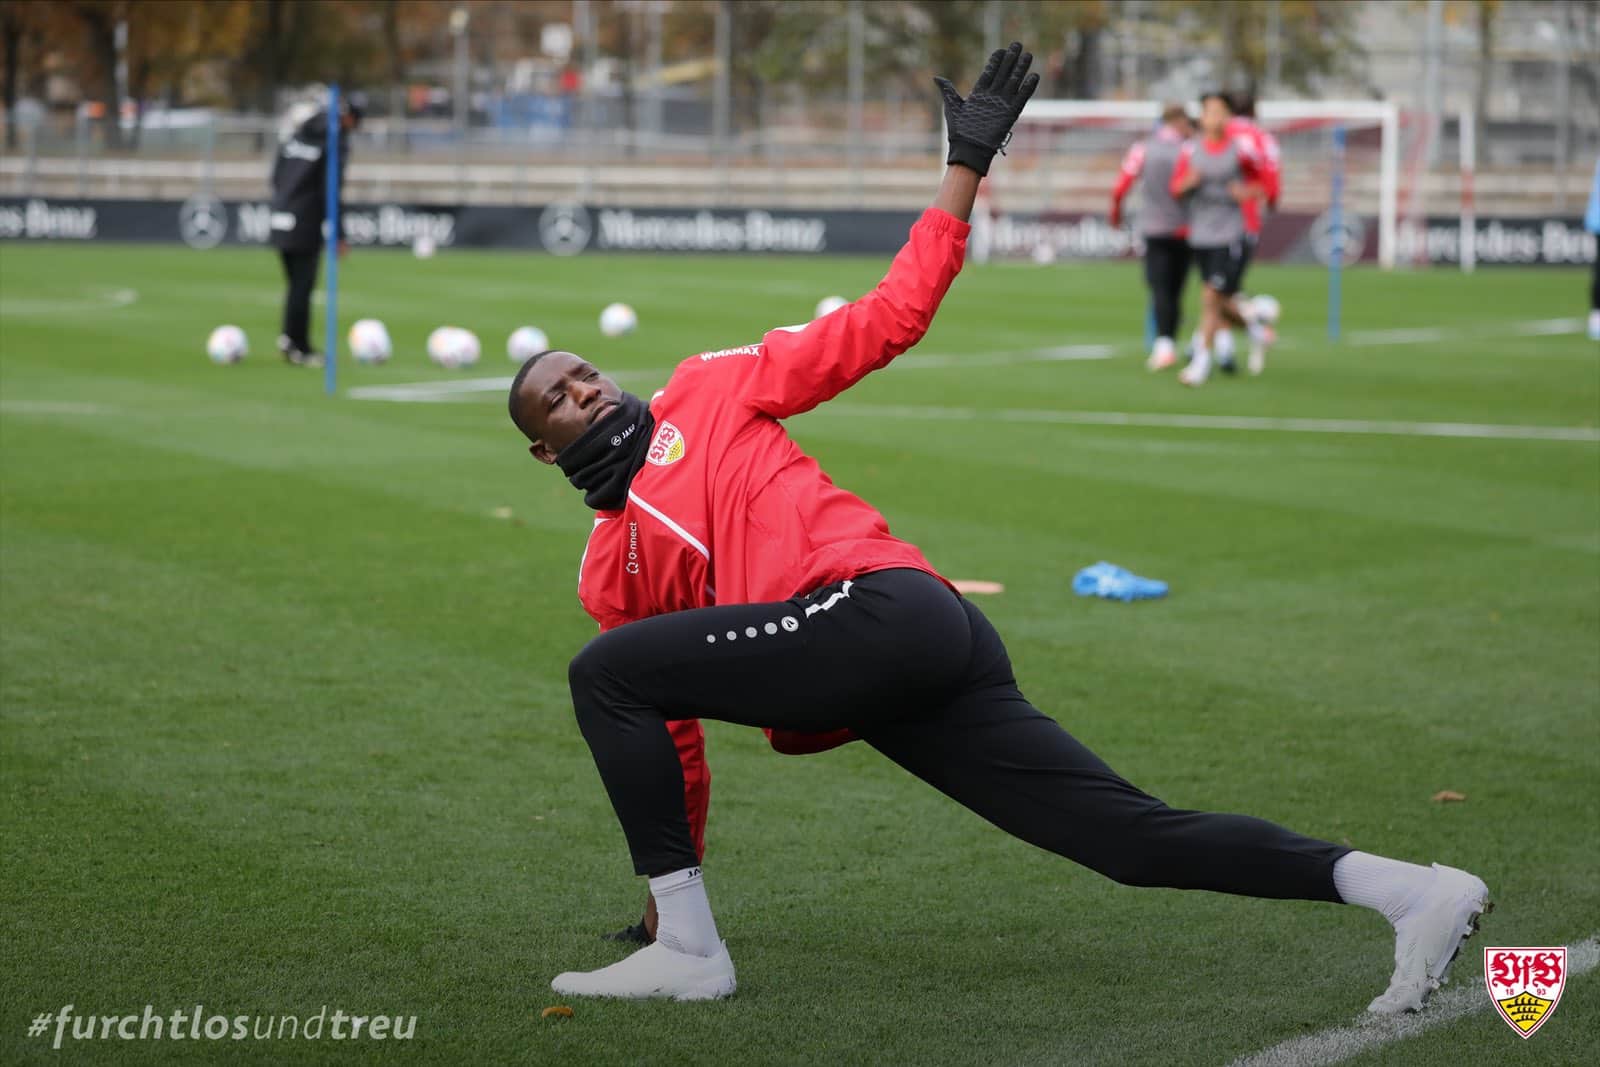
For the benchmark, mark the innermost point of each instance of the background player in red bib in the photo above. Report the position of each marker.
(1163, 225)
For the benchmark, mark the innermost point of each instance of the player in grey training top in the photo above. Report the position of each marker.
(1163, 225)
(1216, 174)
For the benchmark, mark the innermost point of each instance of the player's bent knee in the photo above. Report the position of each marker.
(588, 668)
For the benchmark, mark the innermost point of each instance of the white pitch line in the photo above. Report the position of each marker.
(48, 407)
(1058, 354)
(1485, 431)
(435, 391)
(428, 392)
(1547, 327)
(441, 390)
(1421, 335)
(107, 300)
(1341, 1043)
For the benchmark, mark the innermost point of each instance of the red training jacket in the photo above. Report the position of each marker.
(1265, 147)
(728, 510)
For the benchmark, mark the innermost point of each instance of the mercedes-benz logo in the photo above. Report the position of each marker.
(1353, 238)
(564, 228)
(202, 222)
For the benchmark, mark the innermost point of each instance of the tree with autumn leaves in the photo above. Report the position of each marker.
(242, 53)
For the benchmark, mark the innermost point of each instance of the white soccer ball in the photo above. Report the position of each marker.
(1044, 253)
(618, 319)
(828, 305)
(467, 348)
(227, 344)
(424, 247)
(526, 342)
(453, 347)
(442, 346)
(1266, 309)
(369, 341)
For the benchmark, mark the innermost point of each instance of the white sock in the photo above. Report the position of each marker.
(1384, 885)
(1165, 347)
(1223, 343)
(1201, 363)
(685, 923)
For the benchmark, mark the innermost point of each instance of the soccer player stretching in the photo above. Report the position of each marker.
(1163, 225)
(734, 581)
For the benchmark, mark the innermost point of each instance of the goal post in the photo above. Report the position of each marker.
(1063, 158)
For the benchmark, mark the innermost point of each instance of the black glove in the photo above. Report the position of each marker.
(981, 124)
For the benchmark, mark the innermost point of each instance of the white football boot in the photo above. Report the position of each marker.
(1163, 355)
(1428, 936)
(1198, 370)
(654, 971)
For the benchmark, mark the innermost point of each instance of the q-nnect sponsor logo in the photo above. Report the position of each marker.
(39, 220)
(706, 231)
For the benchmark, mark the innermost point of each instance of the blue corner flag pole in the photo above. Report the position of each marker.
(330, 350)
(1336, 234)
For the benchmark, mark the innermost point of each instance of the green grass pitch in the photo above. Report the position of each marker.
(283, 718)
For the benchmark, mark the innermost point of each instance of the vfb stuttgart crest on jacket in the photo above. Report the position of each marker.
(1525, 984)
(666, 447)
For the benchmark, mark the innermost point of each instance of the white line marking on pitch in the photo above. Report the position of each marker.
(103, 300)
(1058, 354)
(1455, 1002)
(436, 391)
(1421, 335)
(1489, 431)
(47, 407)
(428, 392)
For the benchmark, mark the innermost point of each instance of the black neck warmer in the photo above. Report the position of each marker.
(604, 460)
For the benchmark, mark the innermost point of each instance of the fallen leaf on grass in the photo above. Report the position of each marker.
(974, 585)
(1448, 796)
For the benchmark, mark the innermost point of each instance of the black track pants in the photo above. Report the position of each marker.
(300, 271)
(1166, 269)
(922, 677)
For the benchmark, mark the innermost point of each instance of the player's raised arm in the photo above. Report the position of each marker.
(800, 368)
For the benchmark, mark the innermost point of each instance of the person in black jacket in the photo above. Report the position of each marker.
(299, 201)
